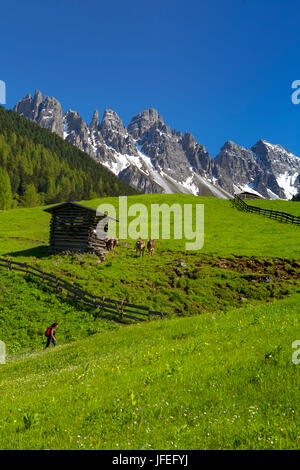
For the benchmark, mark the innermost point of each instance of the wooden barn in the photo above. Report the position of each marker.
(248, 195)
(73, 228)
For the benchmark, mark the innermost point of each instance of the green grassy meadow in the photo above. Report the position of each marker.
(291, 207)
(217, 373)
(204, 382)
(224, 234)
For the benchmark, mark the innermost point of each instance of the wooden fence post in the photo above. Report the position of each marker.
(101, 304)
(276, 215)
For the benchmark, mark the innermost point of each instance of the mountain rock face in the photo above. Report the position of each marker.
(76, 131)
(153, 158)
(267, 169)
(115, 135)
(46, 112)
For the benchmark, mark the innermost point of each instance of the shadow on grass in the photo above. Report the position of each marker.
(36, 252)
(74, 302)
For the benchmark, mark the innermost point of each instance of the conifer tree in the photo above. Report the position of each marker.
(34, 161)
(6, 197)
(30, 197)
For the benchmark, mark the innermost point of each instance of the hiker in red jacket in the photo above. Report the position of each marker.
(50, 334)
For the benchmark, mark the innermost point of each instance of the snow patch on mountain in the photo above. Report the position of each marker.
(287, 182)
(214, 189)
(248, 188)
(153, 158)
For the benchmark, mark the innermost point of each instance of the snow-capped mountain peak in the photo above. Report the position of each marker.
(153, 158)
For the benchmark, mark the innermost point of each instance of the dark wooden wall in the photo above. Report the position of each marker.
(73, 229)
(248, 196)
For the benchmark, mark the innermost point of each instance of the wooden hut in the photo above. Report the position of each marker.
(248, 195)
(73, 228)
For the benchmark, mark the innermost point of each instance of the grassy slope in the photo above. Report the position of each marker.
(206, 382)
(213, 279)
(206, 282)
(26, 309)
(291, 207)
(180, 383)
(227, 230)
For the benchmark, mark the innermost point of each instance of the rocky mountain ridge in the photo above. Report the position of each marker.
(153, 158)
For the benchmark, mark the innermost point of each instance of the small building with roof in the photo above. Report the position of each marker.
(248, 195)
(73, 227)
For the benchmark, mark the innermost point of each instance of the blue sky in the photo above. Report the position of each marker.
(221, 69)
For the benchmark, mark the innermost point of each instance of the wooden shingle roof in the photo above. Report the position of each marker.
(74, 204)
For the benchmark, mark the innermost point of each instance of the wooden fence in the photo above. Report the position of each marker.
(280, 216)
(101, 304)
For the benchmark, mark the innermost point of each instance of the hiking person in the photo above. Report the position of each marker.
(50, 334)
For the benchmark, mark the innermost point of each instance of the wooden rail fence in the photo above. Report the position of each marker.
(101, 304)
(277, 215)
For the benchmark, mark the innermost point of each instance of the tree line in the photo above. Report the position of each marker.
(39, 167)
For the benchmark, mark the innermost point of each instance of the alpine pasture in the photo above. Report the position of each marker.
(217, 373)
